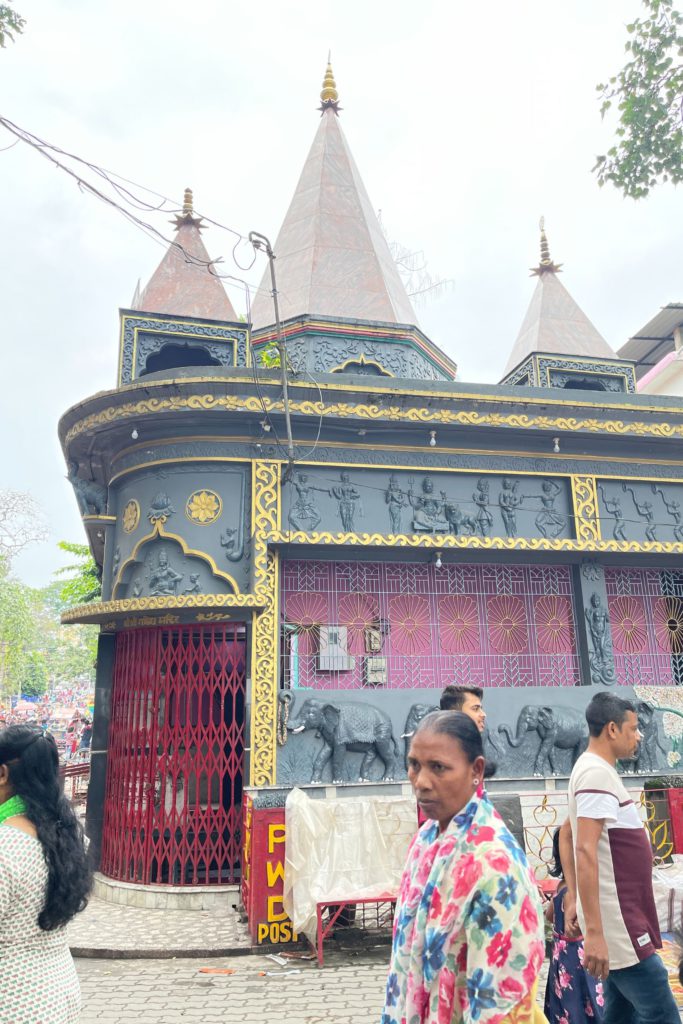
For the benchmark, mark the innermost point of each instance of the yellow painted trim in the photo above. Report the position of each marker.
(159, 531)
(392, 414)
(143, 604)
(443, 541)
(98, 519)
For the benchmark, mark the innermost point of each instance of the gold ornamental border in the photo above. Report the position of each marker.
(444, 541)
(145, 604)
(391, 413)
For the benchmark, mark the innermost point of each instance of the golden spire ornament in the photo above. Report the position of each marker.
(546, 265)
(187, 215)
(329, 97)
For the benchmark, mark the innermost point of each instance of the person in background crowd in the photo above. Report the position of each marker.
(469, 700)
(44, 882)
(571, 994)
(613, 864)
(468, 933)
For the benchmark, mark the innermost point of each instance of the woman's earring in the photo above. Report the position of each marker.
(476, 782)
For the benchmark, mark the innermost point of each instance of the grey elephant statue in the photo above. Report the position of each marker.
(91, 496)
(645, 758)
(416, 713)
(347, 727)
(558, 728)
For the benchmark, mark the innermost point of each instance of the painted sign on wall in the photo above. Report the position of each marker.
(263, 873)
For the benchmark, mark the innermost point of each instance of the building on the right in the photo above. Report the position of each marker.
(657, 351)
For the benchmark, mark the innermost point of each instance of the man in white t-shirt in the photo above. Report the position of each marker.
(613, 857)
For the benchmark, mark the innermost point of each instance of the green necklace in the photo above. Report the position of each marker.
(11, 808)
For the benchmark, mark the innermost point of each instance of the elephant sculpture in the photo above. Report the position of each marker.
(91, 496)
(415, 715)
(558, 728)
(645, 757)
(347, 727)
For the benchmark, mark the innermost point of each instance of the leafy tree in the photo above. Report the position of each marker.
(648, 94)
(16, 629)
(83, 584)
(11, 22)
(34, 675)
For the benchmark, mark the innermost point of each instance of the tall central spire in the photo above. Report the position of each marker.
(332, 257)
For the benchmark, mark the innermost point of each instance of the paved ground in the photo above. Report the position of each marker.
(347, 990)
(105, 929)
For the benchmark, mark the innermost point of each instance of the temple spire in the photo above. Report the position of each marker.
(333, 259)
(185, 283)
(329, 97)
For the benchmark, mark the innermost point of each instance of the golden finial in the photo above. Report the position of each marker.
(329, 97)
(546, 265)
(186, 216)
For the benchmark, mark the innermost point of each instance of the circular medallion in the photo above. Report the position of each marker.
(203, 507)
(131, 516)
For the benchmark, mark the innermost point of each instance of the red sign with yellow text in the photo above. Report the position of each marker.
(263, 873)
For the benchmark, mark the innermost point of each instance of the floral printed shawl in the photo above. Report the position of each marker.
(468, 934)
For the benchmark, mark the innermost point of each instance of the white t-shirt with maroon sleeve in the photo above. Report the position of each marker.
(627, 906)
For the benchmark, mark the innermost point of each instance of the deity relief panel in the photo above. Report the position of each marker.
(322, 499)
(642, 511)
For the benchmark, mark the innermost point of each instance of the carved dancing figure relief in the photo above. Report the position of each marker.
(348, 497)
(429, 513)
(602, 669)
(613, 506)
(483, 517)
(646, 511)
(164, 580)
(549, 522)
(397, 501)
(673, 507)
(509, 501)
(305, 514)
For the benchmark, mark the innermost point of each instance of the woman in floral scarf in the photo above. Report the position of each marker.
(468, 935)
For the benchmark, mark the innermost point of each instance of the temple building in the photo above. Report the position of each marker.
(269, 621)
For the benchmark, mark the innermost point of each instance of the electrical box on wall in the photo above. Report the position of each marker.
(375, 671)
(333, 651)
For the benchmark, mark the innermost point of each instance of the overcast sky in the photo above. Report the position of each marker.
(467, 122)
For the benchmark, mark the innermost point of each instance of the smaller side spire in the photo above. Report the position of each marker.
(329, 97)
(546, 265)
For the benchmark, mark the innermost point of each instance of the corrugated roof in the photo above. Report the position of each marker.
(655, 340)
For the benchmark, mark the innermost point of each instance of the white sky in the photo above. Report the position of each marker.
(467, 122)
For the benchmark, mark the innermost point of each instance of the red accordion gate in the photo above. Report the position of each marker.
(176, 753)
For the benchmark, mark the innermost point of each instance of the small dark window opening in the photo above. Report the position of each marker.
(170, 357)
(584, 384)
(363, 370)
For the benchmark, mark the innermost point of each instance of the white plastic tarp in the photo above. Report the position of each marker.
(341, 848)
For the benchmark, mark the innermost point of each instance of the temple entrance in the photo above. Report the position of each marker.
(176, 756)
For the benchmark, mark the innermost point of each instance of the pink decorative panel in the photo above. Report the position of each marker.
(415, 626)
(646, 619)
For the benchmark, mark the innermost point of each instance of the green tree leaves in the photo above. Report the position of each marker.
(647, 94)
(11, 23)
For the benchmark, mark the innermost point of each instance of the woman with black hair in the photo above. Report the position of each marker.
(44, 882)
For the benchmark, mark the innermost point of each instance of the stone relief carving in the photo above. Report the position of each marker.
(509, 501)
(396, 500)
(163, 578)
(193, 585)
(646, 757)
(481, 500)
(232, 542)
(115, 563)
(348, 498)
(646, 511)
(429, 512)
(674, 509)
(222, 352)
(616, 377)
(601, 663)
(322, 355)
(560, 380)
(137, 586)
(160, 508)
(91, 496)
(558, 729)
(591, 570)
(344, 728)
(613, 506)
(305, 514)
(415, 715)
(203, 507)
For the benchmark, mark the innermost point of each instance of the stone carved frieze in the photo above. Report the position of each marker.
(633, 510)
(601, 658)
(450, 504)
(91, 496)
(326, 355)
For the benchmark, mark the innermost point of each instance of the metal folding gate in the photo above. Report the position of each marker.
(176, 754)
